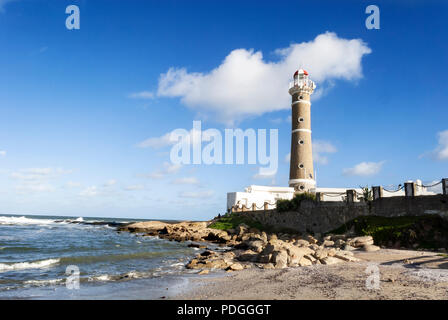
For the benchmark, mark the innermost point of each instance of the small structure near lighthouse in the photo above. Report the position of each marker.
(301, 170)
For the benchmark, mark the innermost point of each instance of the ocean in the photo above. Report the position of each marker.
(40, 257)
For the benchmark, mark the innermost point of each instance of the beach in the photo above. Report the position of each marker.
(403, 275)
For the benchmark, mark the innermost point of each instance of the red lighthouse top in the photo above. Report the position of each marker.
(301, 71)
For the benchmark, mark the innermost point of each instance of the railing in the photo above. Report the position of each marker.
(302, 83)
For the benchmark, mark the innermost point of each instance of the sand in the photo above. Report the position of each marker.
(403, 274)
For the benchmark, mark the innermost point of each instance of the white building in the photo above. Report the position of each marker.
(259, 195)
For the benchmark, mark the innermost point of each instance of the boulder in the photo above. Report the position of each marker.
(295, 254)
(370, 248)
(321, 254)
(248, 255)
(304, 262)
(280, 259)
(330, 260)
(361, 241)
(328, 243)
(301, 243)
(205, 271)
(236, 267)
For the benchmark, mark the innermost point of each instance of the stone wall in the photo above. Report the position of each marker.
(325, 216)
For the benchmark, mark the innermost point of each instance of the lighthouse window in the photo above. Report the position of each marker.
(301, 97)
(301, 142)
(302, 187)
(301, 119)
(301, 166)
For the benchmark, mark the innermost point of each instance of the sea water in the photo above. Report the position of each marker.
(37, 254)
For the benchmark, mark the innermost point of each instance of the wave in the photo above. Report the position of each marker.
(40, 264)
(24, 221)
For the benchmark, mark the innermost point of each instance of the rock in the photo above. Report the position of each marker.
(346, 257)
(264, 237)
(268, 266)
(272, 237)
(236, 267)
(339, 243)
(208, 253)
(248, 255)
(361, 241)
(264, 258)
(205, 271)
(304, 262)
(301, 243)
(331, 252)
(295, 254)
(192, 264)
(311, 239)
(370, 248)
(348, 247)
(328, 243)
(330, 260)
(280, 259)
(256, 245)
(269, 249)
(320, 254)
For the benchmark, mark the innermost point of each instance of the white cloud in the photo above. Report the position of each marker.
(30, 186)
(134, 187)
(196, 195)
(110, 183)
(319, 147)
(364, 169)
(168, 168)
(2, 153)
(72, 184)
(441, 152)
(89, 191)
(246, 85)
(186, 180)
(39, 173)
(142, 95)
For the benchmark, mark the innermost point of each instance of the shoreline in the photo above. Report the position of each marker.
(403, 274)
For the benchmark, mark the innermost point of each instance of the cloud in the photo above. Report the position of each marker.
(134, 187)
(245, 85)
(171, 138)
(142, 95)
(364, 169)
(3, 3)
(32, 186)
(2, 153)
(39, 173)
(89, 191)
(441, 152)
(186, 180)
(319, 147)
(196, 195)
(110, 183)
(168, 168)
(72, 184)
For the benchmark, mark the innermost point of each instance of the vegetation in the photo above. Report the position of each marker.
(429, 231)
(294, 204)
(367, 193)
(233, 220)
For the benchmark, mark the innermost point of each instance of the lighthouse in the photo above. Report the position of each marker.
(301, 171)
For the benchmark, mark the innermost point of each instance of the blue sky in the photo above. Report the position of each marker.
(75, 105)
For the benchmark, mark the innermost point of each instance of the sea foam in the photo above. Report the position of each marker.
(5, 267)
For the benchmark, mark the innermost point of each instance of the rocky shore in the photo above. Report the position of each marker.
(244, 247)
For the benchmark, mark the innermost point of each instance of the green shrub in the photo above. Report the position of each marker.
(294, 203)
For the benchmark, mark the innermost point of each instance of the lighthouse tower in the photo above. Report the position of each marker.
(301, 171)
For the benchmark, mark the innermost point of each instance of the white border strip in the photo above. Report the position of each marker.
(302, 180)
(303, 101)
(301, 130)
